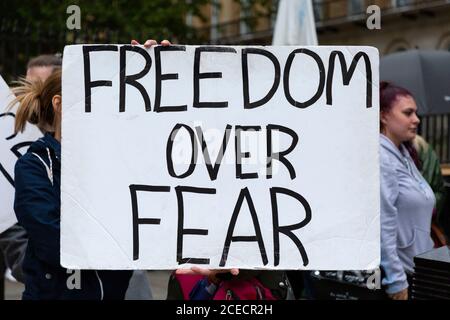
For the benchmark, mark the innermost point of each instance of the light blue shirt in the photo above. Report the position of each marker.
(407, 203)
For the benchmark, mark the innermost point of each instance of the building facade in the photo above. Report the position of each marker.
(405, 24)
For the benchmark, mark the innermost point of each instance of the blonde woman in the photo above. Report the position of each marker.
(37, 203)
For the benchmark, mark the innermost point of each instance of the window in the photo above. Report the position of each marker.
(356, 7)
(397, 45)
(444, 42)
(214, 35)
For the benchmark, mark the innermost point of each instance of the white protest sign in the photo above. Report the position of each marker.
(11, 148)
(250, 157)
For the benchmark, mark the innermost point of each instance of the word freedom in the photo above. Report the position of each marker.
(325, 78)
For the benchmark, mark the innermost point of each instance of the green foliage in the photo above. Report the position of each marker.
(140, 19)
(32, 27)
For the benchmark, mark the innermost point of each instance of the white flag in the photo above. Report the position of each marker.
(295, 24)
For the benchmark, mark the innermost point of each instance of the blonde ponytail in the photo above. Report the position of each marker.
(35, 102)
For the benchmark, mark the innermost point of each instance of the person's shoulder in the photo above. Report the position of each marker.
(389, 166)
(30, 158)
(387, 158)
(27, 158)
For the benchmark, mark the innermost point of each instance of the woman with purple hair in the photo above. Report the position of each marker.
(407, 201)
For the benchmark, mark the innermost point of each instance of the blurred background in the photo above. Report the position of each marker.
(417, 28)
(32, 27)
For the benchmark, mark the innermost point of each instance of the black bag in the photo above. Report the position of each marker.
(345, 285)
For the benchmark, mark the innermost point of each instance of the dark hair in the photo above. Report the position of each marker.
(389, 93)
(45, 60)
(409, 145)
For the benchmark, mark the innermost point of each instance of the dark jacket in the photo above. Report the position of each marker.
(37, 207)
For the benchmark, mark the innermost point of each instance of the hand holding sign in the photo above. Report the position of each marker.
(150, 42)
(209, 273)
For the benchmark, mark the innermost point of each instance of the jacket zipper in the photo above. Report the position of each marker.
(101, 284)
